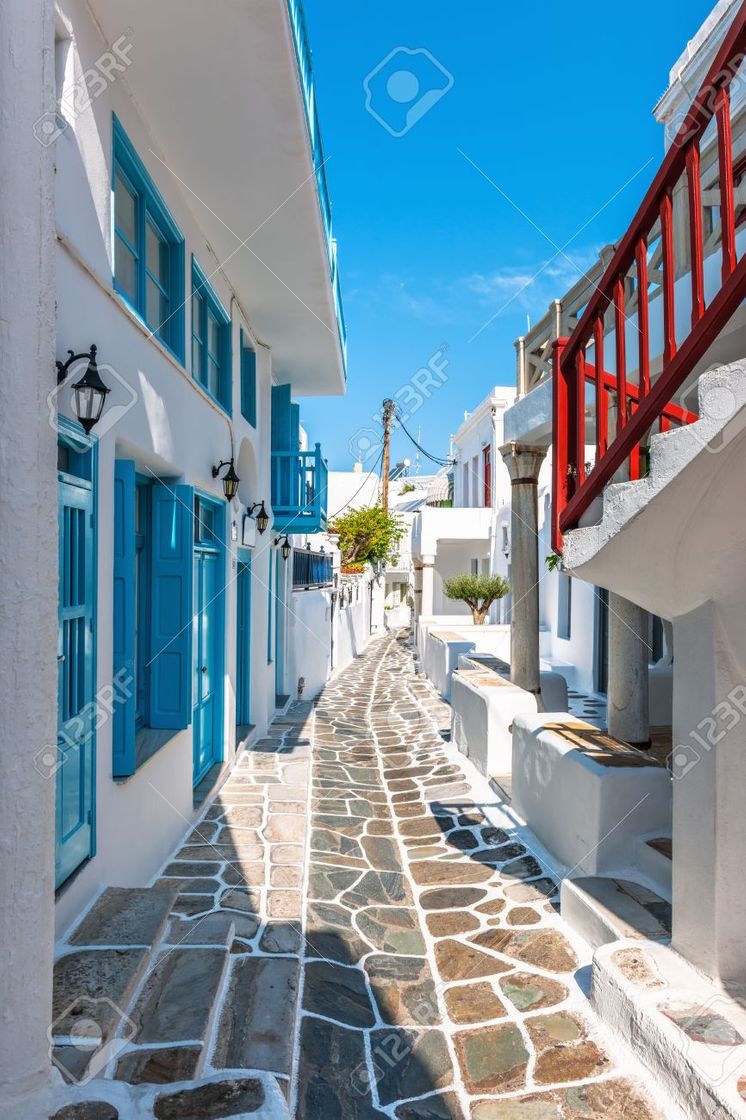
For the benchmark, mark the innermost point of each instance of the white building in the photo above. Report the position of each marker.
(461, 526)
(183, 228)
(645, 504)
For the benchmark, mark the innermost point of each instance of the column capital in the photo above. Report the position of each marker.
(523, 461)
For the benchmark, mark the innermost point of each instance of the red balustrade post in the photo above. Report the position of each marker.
(727, 202)
(560, 441)
(602, 395)
(696, 239)
(667, 264)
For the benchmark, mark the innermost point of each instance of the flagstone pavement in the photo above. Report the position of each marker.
(348, 922)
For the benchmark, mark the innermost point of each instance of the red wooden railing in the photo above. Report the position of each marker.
(649, 402)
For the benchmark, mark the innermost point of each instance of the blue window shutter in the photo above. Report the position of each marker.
(294, 427)
(281, 406)
(123, 723)
(171, 599)
(248, 385)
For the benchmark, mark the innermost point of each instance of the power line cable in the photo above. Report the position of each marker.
(434, 458)
(360, 487)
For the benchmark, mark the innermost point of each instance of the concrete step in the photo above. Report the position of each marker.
(98, 973)
(602, 910)
(689, 1033)
(654, 863)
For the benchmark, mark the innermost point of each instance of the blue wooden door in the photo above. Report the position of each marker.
(207, 685)
(243, 643)
(76, 709)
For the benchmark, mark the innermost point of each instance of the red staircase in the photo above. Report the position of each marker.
(650, 254)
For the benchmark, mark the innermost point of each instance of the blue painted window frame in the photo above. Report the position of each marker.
(243, 626)
(152, 610)
(151, 215)
(143, 543)
(206, 309)
(248, 381)
(213, 539)
(84, 448)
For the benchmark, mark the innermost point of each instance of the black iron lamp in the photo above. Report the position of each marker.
(262, 518)
(230, 478)
(90, 392)
(285, 548)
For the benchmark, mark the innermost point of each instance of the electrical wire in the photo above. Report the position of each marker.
(360, 487)
(433, 458)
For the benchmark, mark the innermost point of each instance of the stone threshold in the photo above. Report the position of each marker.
(689, 1033)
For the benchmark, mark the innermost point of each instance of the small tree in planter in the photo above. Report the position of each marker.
(479, 592)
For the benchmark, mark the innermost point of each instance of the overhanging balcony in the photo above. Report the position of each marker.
(669, 305)
(249, 164)
(299, 485)
(305, 70)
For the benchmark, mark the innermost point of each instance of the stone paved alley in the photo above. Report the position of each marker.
(411, 965)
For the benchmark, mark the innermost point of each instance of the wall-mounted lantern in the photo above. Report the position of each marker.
(90, 392)
(230, 478)
(262, 518)
(285, 548)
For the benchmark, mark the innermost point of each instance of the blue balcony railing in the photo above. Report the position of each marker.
(299, 483)
(311, 569)
(305, 70)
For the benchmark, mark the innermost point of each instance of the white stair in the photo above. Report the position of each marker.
(602, 910)
(654, 863)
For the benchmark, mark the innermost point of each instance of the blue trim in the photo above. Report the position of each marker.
(216, 547)
(243, 637)
(84, 444)
(171, 599)
(248, 382)
(124, 718)
(149, 208)
(210, 303)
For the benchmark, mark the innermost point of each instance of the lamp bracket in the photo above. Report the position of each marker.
(63, 367)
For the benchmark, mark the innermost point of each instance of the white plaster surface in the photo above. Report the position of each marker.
(588, 815)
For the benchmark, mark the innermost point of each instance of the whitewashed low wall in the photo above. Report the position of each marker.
(310, 642)
(484, 708)
(352, 623)
(588, 816)
(442, 653)
(397, 617)
(441, 643)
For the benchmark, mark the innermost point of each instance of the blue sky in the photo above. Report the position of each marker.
(537, 135)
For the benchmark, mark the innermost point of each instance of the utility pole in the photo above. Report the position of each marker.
(388, 412)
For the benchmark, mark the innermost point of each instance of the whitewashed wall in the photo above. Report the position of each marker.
(169, 426)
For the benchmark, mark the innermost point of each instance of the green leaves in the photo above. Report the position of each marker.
(368, 535)
(479, 592)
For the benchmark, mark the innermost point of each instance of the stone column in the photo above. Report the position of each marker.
(524, 463)
(629, 657)
(426, 603)
(28, 547)
(417, 591)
